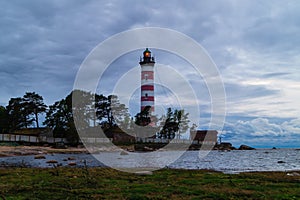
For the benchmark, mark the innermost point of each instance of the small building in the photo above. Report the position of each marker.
(119, 136)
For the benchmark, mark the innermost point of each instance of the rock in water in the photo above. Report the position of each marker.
(123, 153)
(245, 147)
(72, 163)
(39, 157)
(51, 162)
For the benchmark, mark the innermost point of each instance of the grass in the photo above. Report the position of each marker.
(105, 183)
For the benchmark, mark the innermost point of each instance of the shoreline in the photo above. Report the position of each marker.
(22, 150)
(9, 151)
(44, 157)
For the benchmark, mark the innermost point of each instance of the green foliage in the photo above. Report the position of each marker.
(23, 111)
(143, 118)
(18, 115)
(174, 124)
(59, 117)
(117, 113)
(34, 105)
(3, 120)
(87, 110)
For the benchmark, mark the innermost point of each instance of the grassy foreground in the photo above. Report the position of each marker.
(105, 183)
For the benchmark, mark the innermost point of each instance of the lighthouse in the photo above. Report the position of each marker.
(147, 80)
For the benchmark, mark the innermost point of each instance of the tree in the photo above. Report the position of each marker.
(101, 108)
(83, 107)
(87, 110)
(34, 105)
(119, 113)
(60, 115)
(22, 112)
(175, 123)
(143, 118)
(18, 115)
(111, 112)
(3, 120)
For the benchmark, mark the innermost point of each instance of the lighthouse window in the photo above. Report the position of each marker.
(146, 95)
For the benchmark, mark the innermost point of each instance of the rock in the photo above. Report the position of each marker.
(72, 163)
(51, 161)
(39, 157)
(293, 174)
(123, 153)
(274, 148)
(148, 148)
(224, 146)
(71, 158)
(280, 162)
(245, 147)
(144, 173)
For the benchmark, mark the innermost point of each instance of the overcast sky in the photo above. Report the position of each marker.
(255, 45)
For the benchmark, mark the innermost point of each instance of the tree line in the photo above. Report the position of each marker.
(95, 109)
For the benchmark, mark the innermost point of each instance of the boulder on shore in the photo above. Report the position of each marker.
(245, 147)
(224, 146)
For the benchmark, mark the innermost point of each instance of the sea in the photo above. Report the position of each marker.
(234, 161)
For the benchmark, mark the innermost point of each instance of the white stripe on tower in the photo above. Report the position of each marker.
(147, 80)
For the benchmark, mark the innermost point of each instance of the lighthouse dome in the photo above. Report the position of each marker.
(147, 53)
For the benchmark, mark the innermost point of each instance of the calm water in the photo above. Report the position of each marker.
(228, 162)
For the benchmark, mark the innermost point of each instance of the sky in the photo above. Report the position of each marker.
(255, 45)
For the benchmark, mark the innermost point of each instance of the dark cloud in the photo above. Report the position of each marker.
(43, 43)
(239, 92)
(275, 74)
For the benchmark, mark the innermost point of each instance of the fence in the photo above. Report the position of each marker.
(30, 138)
(175, 141)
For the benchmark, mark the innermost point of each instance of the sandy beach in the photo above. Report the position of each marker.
(36, 150)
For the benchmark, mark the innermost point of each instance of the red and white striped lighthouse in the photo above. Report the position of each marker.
(147, 80)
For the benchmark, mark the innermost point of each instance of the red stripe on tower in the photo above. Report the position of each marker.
(147, 87)
(147, 99)
(148, 74)
(147, 80)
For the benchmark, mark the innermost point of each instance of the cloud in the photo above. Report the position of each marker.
(254, 44)
(275, 74)
(261, 132)
(238, 92)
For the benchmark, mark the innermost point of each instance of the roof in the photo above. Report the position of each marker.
(147, 51)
